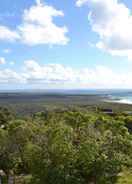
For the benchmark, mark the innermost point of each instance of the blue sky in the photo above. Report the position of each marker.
(65, 44)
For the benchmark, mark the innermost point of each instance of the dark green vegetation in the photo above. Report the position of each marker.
(76, 144)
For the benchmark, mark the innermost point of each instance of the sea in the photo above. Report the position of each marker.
(119, 96)
(112, 95)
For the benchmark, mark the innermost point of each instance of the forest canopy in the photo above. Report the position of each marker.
(68, 147)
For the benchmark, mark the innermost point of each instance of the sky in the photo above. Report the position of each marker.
(67, 44)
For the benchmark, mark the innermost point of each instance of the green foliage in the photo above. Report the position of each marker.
(125, 177)
(66, 147)
(5, 117)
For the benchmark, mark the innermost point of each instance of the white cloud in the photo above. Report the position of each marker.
(2, 61)
(7, 51)
(81, 2)
(38, 2)
(57, 75)
(112, 21)
(12, 63)
(8, 76)
(37, 27)
(7, 34)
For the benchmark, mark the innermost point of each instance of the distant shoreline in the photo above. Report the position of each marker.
(71, 97)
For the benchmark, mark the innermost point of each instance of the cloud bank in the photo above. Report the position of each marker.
(57, 75)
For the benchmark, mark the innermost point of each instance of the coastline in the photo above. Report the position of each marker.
(120, 100)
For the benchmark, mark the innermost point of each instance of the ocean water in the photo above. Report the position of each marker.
(119, 96)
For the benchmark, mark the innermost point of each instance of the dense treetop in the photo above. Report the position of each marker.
(66, 147)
